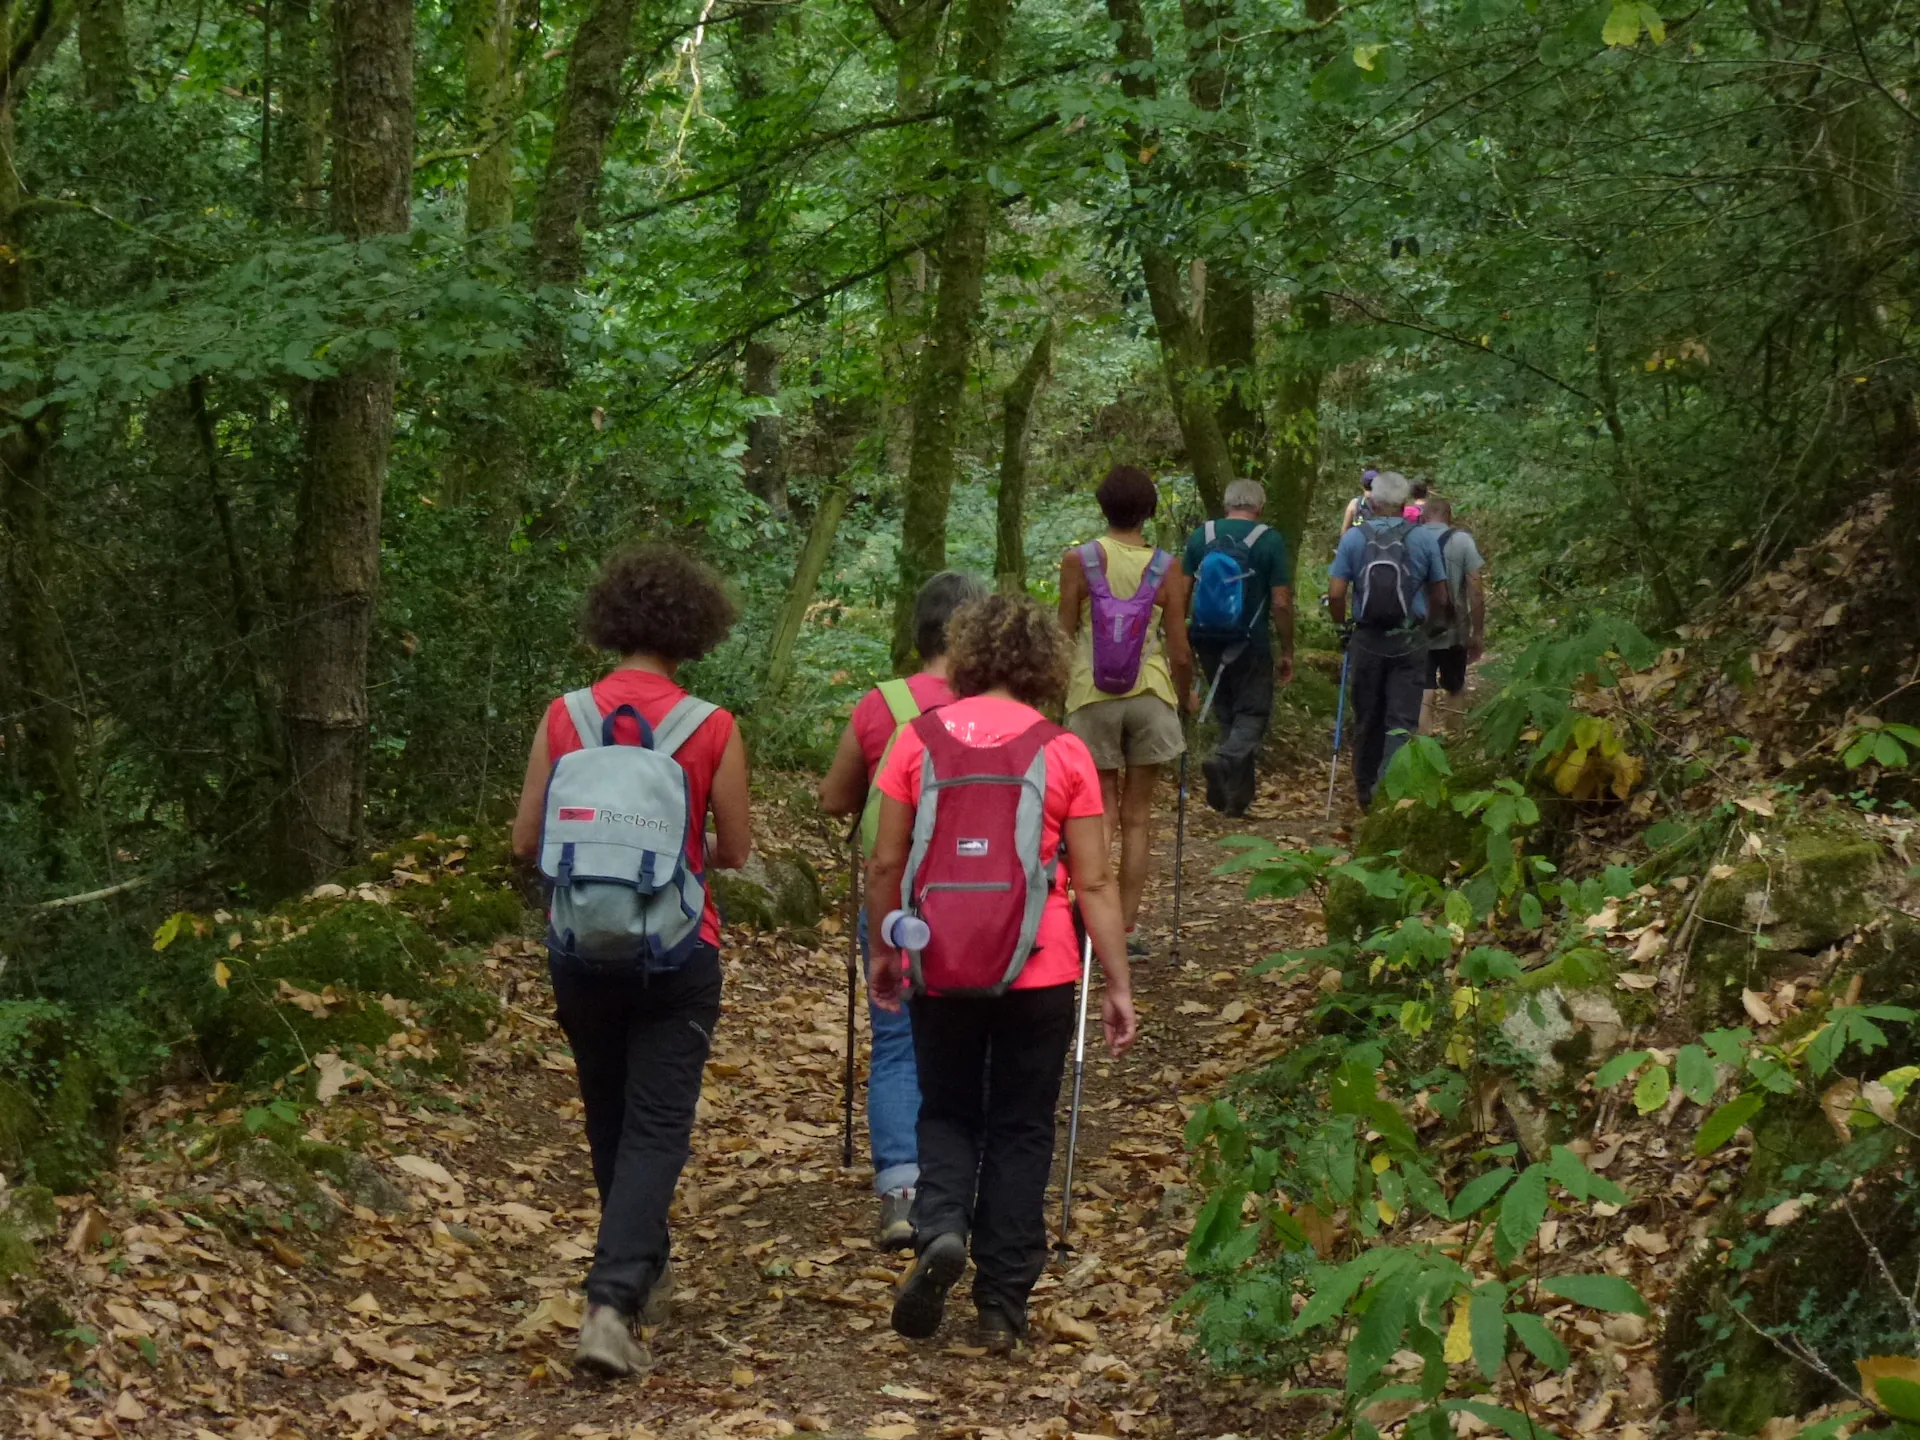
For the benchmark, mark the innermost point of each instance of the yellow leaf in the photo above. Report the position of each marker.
(1365, 55)
(1459, 1346)
(1381, 1164)
(1385, 1211)
(1886, 1367)
(169, 930)
(221, 974)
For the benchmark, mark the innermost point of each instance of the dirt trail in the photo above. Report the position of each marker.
(454, 1317)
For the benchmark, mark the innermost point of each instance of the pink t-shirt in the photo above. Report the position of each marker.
(1073, 793)
(873, 721)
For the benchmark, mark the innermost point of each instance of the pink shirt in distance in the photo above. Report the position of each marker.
(1073, 793)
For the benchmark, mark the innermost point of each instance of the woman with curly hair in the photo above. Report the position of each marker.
(990, 1065)
(640, 1037)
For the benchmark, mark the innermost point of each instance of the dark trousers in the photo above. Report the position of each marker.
(640, 1043)
(1243, 706)
(1387, 675)
(989, 1083)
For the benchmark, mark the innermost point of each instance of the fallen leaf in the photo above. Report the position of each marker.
(306, 1000)
(364, 1304)
(128, 1408)
(1757, 1008)
(1625, 1329)
(1836, 1103)
(1786, 1212)
(556, 1312)
(86, 1232)
(1648, 1242)
(335, 1074)
(1876, 1368)
(1596, 1414)
(898, 1431)
(1758, 804)
(425, 1169)
(907, 1392)
(1634, 980)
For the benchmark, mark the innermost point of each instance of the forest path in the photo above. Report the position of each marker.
(456, 1317)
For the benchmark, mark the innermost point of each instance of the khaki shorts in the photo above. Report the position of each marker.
(1134, 730)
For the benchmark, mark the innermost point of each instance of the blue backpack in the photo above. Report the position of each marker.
(1223, 610)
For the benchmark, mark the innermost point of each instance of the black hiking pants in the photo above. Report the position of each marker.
(1387, 675)
(1243, 706)
(990, 1073)
(640, 1043)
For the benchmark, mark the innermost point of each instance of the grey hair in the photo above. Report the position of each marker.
(1244, 494)
(1390, 490)
(933, 607)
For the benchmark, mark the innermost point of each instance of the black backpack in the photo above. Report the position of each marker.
(1386, 587)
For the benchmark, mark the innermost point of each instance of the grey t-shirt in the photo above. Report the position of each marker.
(1462, 558)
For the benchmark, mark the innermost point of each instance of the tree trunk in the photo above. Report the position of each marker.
(941, 384)
(106, 68)
(799, 598)
(1231, 299)
(43, 679)
(301, 171)
(763, 467)
(487, 29)
(1183, 351)
(1293, 465)
(1010, 513)
(916, 30)
(589, 108)
(336, 551)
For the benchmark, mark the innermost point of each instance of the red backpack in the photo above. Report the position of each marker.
(975, 873)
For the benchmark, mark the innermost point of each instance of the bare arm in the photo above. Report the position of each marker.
(886, 867)
(1283, 628)
(527, 817)
(844, 789)
(1173, 624)
(1073, 590)
(1477, 610)
(1337, 600)
(1091, 872)
(732, 809)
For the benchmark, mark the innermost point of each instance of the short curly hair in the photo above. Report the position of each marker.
(1007, 641)
(658, 600)
(1127, 497)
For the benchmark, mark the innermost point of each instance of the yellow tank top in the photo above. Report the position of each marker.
(1126, 564)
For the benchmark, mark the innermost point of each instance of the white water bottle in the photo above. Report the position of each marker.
(905, 931)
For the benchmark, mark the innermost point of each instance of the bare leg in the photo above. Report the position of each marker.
(1136, 836)
(1431, 720)
(1110, 807)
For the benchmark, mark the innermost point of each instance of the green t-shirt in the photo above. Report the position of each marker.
(1267, 560)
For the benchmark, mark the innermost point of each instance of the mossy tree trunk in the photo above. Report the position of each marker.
(755, 59)
(336, 550)
(589, 107)
(486, 33)
(106, 68)
(1183, 344)
(821, 533)
(941, 383)
(1293, 431)
(1010, 509)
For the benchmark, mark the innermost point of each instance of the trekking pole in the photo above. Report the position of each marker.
(1339, 718)
(1079, 1077)
(1180, 821)
(853, 973)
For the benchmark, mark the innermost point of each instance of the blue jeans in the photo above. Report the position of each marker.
(893, 1093)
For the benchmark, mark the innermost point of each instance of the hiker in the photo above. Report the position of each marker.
(1415, 508)
(634, 936)
(893, 1089)
(1358, 508)
(1460, 640)
(1393, 570)
(993, 984)
(1125, 603)
(1239, 587)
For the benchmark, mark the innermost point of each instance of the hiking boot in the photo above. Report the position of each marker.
(1137, 948)
(1216, 785)
(996, 1330)
(921, 1302)
(608, 1345)
(896, 1220)
(658, 1307)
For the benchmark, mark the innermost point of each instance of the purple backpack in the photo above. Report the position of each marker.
(1120, 626)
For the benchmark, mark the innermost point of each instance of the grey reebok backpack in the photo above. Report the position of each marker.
(614, 844)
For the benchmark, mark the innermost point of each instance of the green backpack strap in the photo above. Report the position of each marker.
(905, 710)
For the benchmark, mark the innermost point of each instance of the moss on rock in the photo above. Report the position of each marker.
(769, 892)
(1816, 889)
(18, 1258)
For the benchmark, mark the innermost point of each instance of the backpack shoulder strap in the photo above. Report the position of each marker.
(1156, 570)
(1210, 534)
(900, 702)
(584, 711)
(678, 724)
(1253, 535)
